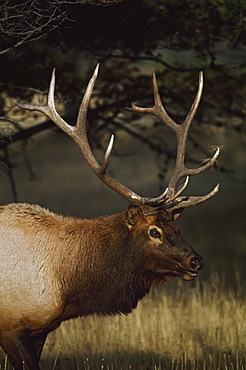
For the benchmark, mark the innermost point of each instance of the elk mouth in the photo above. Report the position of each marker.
(186, 274)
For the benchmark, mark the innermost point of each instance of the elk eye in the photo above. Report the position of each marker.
(155, 233)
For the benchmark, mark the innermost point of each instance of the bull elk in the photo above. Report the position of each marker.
(54, 268)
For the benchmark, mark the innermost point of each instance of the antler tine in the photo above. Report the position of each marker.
(107, 154)
(158, 109)
(49, 109)
(184, 202)
(82, 115)
(179, 191)
(196, 102)
(182, 134)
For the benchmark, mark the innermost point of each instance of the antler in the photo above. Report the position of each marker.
(79, 135)
(169, 198)
(181, 130)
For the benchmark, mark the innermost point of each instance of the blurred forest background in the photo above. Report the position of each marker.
(39, 164)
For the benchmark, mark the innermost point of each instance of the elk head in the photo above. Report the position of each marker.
(146, 217)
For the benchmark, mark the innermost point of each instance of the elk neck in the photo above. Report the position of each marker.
(102, 274)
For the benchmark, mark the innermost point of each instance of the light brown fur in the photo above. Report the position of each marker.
(54, 268)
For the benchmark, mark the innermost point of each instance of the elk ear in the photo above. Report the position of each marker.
(176, 213)
(133, 214)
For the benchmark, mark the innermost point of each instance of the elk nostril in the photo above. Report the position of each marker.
(197, 263)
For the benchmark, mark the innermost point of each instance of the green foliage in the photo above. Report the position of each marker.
(129, 38)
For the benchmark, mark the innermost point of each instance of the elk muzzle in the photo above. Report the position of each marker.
(189, 269)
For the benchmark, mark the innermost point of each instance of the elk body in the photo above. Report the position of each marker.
(54, 268)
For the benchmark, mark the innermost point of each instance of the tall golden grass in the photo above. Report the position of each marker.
(182, 325)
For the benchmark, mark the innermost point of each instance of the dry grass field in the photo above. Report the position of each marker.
(182, 325)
